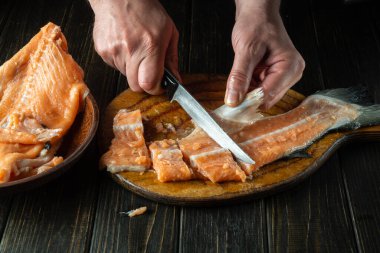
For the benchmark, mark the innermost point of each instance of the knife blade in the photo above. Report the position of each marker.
(175, 91)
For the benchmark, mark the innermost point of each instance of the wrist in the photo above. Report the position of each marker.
(101, 6)
(264, 8)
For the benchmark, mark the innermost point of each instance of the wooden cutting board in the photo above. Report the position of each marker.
(209, 90)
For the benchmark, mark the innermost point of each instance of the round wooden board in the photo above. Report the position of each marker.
(209, 90)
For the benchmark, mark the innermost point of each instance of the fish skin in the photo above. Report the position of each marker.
(41, 92)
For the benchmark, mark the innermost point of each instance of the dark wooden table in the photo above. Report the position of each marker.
(336, 210)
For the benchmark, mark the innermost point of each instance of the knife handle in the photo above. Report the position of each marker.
(169, 83)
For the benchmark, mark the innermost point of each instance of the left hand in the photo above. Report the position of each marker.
(264, 53)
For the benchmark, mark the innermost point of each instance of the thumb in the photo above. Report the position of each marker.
(240, 77)
(151, 70)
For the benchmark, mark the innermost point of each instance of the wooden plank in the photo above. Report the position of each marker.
(210, 44)
(315, 215)
(240, 228)
(352, 50)
(157, 230)
(180, 12)
(300, 27)
(5, 10)
(59, 215)
(360, 164)
(4, 212)
(154, 231)
(347, 45)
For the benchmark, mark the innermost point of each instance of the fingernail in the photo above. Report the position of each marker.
(232, 97)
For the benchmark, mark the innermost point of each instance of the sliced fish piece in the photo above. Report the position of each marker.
(208, 159)
(168, 162)
(128, 151)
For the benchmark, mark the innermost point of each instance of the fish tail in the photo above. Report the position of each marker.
(369, 113)
(369, 116)
(354, 95)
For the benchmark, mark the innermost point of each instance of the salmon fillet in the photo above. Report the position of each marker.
(128, 151)
(208, 159)
(274, 137)
(41, 92)
(168, 162)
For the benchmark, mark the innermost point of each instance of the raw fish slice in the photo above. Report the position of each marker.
(47, 166)
(45, 159)
(41, 92)
(17, 129)
(208, 159)
(43, 82)
(168, 162)
(11, 154)
(128, 151)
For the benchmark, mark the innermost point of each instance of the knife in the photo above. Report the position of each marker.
(175, 91)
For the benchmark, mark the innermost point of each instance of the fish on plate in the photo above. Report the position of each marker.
(41, 92)
(265, 139)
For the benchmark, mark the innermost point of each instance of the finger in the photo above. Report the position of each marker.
(171, 60)
(119, 64)
(279, 78)
(240, 77)
(150, 73)
(131, 70)
(258, 75)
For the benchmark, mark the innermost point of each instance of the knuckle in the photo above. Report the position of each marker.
(246, 45)
(298, 64)
(106, 50)
(150, 43)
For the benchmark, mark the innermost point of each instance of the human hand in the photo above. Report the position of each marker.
(138, 38)
(264, 53)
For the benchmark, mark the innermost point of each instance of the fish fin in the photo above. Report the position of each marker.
(359, 95)
(247, 112)
(299, 154)
(354, 95)
(369, 116)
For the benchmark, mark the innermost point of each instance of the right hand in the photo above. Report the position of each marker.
(138, 38)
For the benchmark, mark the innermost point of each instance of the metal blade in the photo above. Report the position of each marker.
(208, 124)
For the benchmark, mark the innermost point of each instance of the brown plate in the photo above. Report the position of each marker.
(209, 90)
(74, 144)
